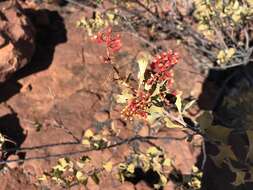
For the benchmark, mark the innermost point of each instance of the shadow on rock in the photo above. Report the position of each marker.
(228, 93)
(150, 177)
(10, 128)
(50, 31)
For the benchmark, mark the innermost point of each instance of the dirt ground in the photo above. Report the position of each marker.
(61, 90)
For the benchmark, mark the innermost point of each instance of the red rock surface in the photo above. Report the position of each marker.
(66, 86)
(16, 39)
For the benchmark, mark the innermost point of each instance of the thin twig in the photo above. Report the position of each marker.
(125, 141)
(204, 155)
(38, 147)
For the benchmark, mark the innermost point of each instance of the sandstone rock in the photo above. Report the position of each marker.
(16, 39)
(101, 116)
(118, 124)
(142, 186)
(126, 186)
(13, 165)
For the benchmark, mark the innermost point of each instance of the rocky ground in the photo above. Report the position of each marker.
(61, 86)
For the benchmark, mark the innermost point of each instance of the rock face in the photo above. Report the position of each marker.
(16, 39)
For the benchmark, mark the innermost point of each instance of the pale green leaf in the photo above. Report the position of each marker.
(178, 103)
(143, 63)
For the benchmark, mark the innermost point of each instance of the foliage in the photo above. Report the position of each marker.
(98, 21)
(68, 173)
(220, 30)
(218, 135)
(151, 102)
(154, 160)
(219, 19)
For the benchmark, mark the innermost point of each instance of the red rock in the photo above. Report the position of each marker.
(101, 116)
(13, 165)
(16, 39)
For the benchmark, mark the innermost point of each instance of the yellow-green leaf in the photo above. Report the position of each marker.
(81, 178)
(88, 133)
(167, 162)
(108, 166)
(131, 168)
(153, 151)
(163, 180)
(86, 142)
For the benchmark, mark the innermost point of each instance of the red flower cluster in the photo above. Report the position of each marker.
(161, 67)
(137, 106)
(113, 43)
(164, 61)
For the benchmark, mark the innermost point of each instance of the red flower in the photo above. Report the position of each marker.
(137, 106)
(164, 62)
(113, 43)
